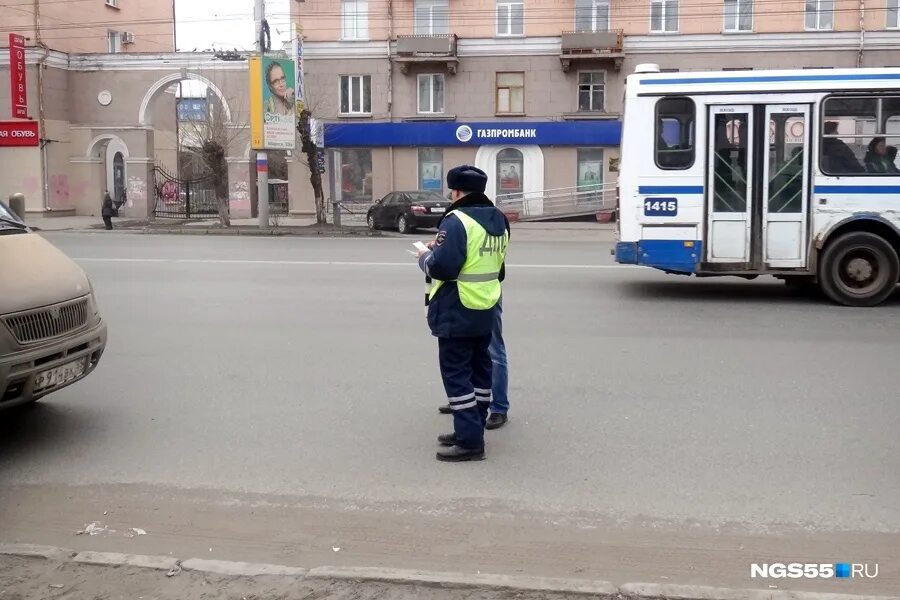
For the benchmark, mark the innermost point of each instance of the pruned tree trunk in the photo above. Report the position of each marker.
(214, 157)
(308, 144)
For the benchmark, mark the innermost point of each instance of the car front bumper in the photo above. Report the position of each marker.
(18, 371)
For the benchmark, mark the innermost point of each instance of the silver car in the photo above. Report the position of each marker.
(51, 333)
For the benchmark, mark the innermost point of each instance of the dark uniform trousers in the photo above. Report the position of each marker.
(466, 369)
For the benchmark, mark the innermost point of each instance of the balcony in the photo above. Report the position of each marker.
(592, 45)
(426, 49)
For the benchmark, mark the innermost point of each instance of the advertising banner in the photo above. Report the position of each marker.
(18, 85)
(273, 113)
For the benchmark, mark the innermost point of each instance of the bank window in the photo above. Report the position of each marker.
(893, 14)
(860, 136)
(510, 164)
(431, 93)
(113, 42)
(675, 119)
(510, 17)
(591, 86)
(511, 93)
(590, 175)
(432, 17)
(819, 15)
(663, 16)
(355, 19)
(591, 15)
(431, 169)
(738, 15)
(356, 94)
(356, 176)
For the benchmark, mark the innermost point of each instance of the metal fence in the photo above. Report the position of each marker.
(559, 203)
(177, 198)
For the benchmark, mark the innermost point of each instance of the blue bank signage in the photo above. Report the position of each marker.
(545, 133)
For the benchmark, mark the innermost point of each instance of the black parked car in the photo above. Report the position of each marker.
(405, 211)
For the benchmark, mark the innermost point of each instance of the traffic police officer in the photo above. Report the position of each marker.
(466, 265)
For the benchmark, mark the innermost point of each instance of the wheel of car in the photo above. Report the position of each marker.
(403, 224)
(370, 221)
(859, 269)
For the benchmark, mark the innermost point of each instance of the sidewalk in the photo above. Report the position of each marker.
(579, 231)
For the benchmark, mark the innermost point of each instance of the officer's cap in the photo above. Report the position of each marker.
(467, 178)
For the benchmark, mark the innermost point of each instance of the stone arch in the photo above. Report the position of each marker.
(106, 140)
(145, 115)
(533, 172)
(106, 147)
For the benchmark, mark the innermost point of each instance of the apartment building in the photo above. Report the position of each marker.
(84, 74)
(93, 26)
(531, 90)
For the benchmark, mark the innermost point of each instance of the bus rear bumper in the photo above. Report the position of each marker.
(676, 256)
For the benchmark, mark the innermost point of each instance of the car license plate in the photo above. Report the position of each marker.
(438, 210)
(59, 375)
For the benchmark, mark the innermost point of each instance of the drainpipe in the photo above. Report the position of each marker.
(862, 32)
(45, 179)
(391, 83)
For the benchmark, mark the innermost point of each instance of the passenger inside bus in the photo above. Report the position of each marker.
(839, 159)
(880, 157)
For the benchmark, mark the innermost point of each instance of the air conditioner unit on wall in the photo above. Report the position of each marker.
(127, 37)
(113, 3)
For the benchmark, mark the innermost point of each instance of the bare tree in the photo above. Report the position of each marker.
(309, 147)
(205, 144)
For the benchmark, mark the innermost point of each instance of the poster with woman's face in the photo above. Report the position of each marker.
(279, 102)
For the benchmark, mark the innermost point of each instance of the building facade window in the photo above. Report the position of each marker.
(738, 15)
(663, 16)
(356, 176)
(589, 175)
(355, 19)
(510, 17)
(432, 17)
(431, 94)
(591, 86)
(510, 165)
(819, 15)
(113, 42)
(675, 118)
(510, 93)
(356, 94)
(431, 169)
(893, 14)
(591, 15)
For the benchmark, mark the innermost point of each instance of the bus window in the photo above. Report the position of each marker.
(849, 131)
(675, 133)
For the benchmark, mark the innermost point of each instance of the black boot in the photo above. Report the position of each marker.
(496, 421)
(448, 439)
(457, 454)
(445, 409)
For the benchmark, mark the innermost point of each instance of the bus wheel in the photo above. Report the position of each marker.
(859, 269)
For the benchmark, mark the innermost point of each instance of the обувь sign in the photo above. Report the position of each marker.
(18, 86)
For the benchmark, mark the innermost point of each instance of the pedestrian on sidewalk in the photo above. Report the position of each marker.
(107, 211)
(465, 264)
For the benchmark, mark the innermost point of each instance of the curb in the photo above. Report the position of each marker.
(599, 589)
(498, 583)
(653, 591)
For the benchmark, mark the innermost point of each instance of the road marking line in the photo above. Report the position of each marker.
(319, 263)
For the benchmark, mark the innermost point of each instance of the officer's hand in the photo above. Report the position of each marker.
(420, 253)
(430, 245)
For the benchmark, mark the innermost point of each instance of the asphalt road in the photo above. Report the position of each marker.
(299, 372)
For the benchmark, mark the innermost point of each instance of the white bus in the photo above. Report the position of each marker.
(791, 173)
